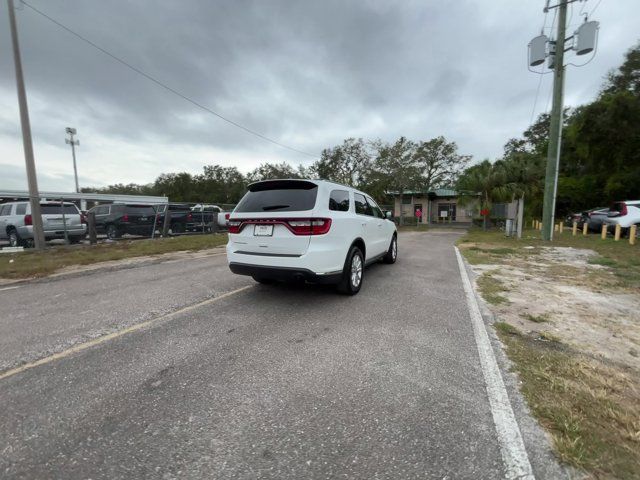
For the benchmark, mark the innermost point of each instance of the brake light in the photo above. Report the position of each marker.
(297, 226)
(234, 226)
(28, 220)
(125, 218)
(189, 217)
(623, 211)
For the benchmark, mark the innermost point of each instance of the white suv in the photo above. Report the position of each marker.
(624, 214)
(312, 230)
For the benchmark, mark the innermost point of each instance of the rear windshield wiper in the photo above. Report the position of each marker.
(275, 207)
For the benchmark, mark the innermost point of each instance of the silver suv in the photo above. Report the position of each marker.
(16, 222)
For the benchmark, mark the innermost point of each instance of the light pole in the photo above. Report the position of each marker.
(34, 197)
(73, 143)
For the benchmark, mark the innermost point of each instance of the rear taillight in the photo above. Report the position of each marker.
(297, 226)
(623, 211)
(189, 217)
(125, 218)
(28, 220)
(83, 218)
(311, 226)
(234, 226)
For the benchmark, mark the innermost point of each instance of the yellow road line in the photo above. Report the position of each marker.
(111, 336)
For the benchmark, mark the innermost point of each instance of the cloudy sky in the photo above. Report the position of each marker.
(305, 73)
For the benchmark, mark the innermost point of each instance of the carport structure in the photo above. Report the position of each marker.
(82, 199)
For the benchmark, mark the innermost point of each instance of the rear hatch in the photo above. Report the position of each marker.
(55, 216)
(139, 215)
(275, 217)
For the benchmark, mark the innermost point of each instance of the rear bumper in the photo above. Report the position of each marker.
(283, 273)
(26, 232)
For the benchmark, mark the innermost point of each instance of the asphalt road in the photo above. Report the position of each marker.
(268, 382)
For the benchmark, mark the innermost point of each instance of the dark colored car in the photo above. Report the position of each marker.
(117, 219)
(180, 217)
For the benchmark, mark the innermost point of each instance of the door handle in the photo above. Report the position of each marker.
(364, 224)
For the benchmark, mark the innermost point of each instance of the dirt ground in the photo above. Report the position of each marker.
(557, 293)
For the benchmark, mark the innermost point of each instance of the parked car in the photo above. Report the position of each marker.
(16, 222)
(625, 214)
(207, 214)
(116, 219)
(594, 218)
(180, 219)
(311, 230)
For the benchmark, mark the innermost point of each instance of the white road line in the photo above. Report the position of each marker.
(10, 288)
(514, 454)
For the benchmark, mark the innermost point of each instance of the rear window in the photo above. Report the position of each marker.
(339, 200)
(53, 209)
(279, 196)
(140, 210)
(21, 209)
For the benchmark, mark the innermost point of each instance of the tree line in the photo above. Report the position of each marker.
(376, 167)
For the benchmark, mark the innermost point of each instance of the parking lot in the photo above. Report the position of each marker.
(180, 369)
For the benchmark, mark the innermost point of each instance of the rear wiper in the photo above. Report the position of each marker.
(275, 207)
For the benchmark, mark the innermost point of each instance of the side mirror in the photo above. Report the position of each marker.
(387, 215)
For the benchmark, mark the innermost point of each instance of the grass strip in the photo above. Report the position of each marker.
(31, 263)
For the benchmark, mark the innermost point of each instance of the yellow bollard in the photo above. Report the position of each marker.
(556, 228)
(617, 234)
(561, 225)
(585, 228)
(574, 230)
(539, 225)
(632, 234)
(603, 235)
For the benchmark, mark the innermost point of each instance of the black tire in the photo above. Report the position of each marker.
(178, 228)
(112, 231)
(264, 281)
(392, 253)
(75, 239)
(353, 272)
(14, 238)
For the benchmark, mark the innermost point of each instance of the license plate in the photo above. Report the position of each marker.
(143, 219)
(263, 230)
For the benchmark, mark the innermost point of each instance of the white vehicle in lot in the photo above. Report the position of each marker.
(16, 222)
(312, 230)
(624, 214)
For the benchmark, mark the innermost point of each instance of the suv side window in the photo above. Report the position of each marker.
(375, 208)
(362, 207)
(102, 210)
(21, 209)
(5, 210)
(339, 200)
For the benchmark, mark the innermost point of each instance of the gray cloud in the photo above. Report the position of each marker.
(305, 73)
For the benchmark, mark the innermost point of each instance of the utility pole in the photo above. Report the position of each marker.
(583, 41)
(73, 143)
(34, 196)
(555, 129)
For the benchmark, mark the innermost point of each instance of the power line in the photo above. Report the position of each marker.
(594, 8)
(165, 86)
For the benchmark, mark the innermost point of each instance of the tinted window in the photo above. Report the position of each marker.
(339, 200)
(5, 210)
(362, 207)
(102, 210)
(140, 210)
(53, 209)
(21, 209)
(374, 208)
(279, 196)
